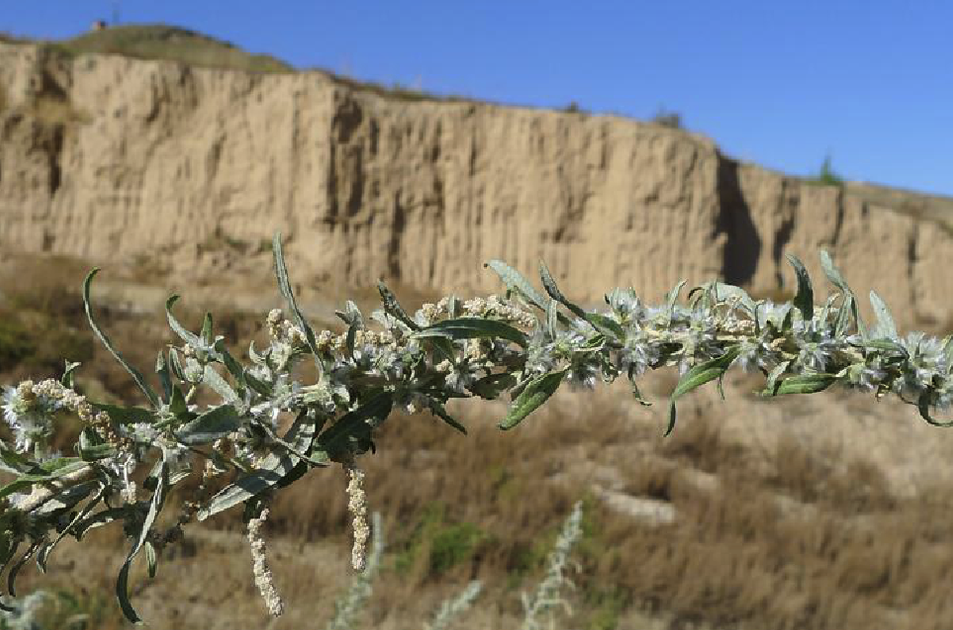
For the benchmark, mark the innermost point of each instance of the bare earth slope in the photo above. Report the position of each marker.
(110, 158)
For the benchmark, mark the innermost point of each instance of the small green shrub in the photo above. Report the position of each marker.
(668, 119)
(826, 176)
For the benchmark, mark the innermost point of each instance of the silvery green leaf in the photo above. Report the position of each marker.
(551, 321)
(151, 559)
(43, 556)
(536, 392)
(393, 307)
(207, 338)
(274, 468)
(214, 380)
(886, 345)
(923, 405)
(261, 387)
(103, 517)
(349, 339)
(452, 306)
(775, 374)
(515, 282)
(885, 327)
(256, 358)
(178, 406)
(13, 462)
(441, 412)
(832, 273)
(48, 471)
(165, 378)
(155, 506)
(473, 328)
(802, 384)
(491, 386)
(321, 458)
(125, 415)
(842, 321)
(189, 338)
(15, 568)
(212, 425)
(284, 285)
(635, 388)
(67, 379)
(671, 297)
(355, 425)
(850, 304)
(92, 447)
(136, 375)
(697, 376)
(804, 300)
(549, 283)
(234, 367)
(725, 292)
(176, 364)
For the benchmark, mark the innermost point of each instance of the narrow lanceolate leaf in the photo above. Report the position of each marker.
(125, 415)
(44, 555)
(165, 376)
(491, 386)
(234, 367)
(923, 404)
(210, 426)
(136, 375)
(393, 307)
(473, 328)
(67, 379)
(207, 337)
(69, 465)
(698, 376)
(441, 412)
(671, 297)
(833, 274)
(552, 326)
(274, 468)
(155, 506)
(775, 374)
(215, 381)
(804, 300)
(533, 395)
(355, 425)
(802, 384)
(549, 283)
(186, 336)
(885, 328)
(284, 285)
(516, 282)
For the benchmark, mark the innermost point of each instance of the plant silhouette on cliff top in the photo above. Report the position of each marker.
(270, 429)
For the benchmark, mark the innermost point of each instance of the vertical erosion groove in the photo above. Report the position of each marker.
(742, 244)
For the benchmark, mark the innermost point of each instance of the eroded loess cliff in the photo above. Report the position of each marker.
(110, 159)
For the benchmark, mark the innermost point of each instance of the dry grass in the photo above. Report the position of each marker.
(782, 539)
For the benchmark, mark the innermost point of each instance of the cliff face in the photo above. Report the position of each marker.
(110, 158)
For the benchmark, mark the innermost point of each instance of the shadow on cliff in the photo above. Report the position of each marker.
(742, 245)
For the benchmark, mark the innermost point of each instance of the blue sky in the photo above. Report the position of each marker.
(778, 83)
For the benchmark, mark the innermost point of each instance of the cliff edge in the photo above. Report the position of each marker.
(192, 170)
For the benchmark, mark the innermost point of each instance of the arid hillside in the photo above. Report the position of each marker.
(188, 170)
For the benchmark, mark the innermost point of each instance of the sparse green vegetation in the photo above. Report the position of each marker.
(826, 176)
(169, 43)
(668, 119)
